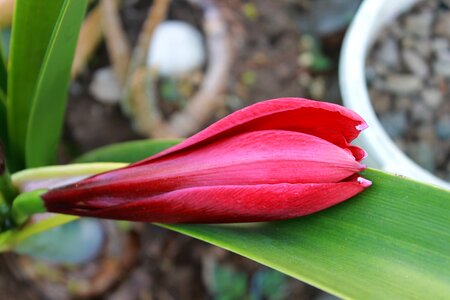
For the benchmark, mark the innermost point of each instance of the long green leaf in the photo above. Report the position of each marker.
(32, 28)
(3, 72)
(390, 242)
(3, 123)
(46, 119)
(127, 151)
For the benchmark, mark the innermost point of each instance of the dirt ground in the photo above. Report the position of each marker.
(267, 46)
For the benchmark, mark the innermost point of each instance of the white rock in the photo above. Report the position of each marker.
(403, 84)
(176, 49)
(415, 63)
(104, 86)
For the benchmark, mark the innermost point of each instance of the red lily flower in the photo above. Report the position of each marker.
(274, 160)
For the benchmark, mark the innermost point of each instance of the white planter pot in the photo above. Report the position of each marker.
(383, 153)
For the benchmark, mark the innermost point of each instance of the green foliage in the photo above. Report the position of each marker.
(47, 114)
(127, 151)
(268, 284)
(32, 29)
(228, 284)
(43, 40)
(3, 124)
(3, 72)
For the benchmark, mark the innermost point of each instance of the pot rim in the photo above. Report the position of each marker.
(383, 153)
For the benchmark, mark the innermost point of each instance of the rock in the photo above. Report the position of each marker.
(443, 127)
(403, 84)
(440, 47)
(442, 25)
(421, 113)
(423, 47)
(176, 49)
(415, 63)
(424, 154)
(388, 53)
(395, 123)
(104, 86)
(432, 97)
(442, 67)
(381, 101)
(427, 133)
(419, 24)
(402, 103)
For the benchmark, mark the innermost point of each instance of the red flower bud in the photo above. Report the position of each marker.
(274, 160)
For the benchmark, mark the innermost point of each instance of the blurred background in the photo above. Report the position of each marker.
(169, 68)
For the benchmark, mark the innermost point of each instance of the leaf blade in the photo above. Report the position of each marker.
(50, 99)
(127, 152)
(31, 31)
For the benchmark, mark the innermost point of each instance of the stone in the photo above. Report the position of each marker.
(442, 25)
(419, 24)
(443, 127)
(432, 97)
(415, 63)
(381, 101)
(427, 133)
(424, 154)
(402, 103)
(423, 47)
(421, 113)
(403, 84)
(395, 123)
(105, 87)
(388, 53)
(441, 67)
(440, 47)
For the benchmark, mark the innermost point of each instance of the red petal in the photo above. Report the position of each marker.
(328, 121)
(227, 204)
(262, 157)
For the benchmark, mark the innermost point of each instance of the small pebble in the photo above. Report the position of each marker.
(403, 84)
(443, 127)
(442, 68)
(395, 123)
(419, 24)
(388, 53)
(432, 97)
(423, 154)
(421, 113)
(442, 25)
(381, 101)
(415, 63)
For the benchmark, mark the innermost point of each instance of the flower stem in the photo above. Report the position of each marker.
(27, 204)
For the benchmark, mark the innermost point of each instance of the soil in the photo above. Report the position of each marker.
(267, 45)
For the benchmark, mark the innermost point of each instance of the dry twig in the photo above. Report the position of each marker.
(116, 39)
(6, 12)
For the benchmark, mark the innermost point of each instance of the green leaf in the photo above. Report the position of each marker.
(47, 115)
(3, 72)
(3, 123)
(32, 29)
(127, 151)
(390, 242)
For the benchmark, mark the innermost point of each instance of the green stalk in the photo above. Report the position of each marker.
(7, 192)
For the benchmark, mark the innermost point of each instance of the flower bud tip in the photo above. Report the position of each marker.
(364, 182)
